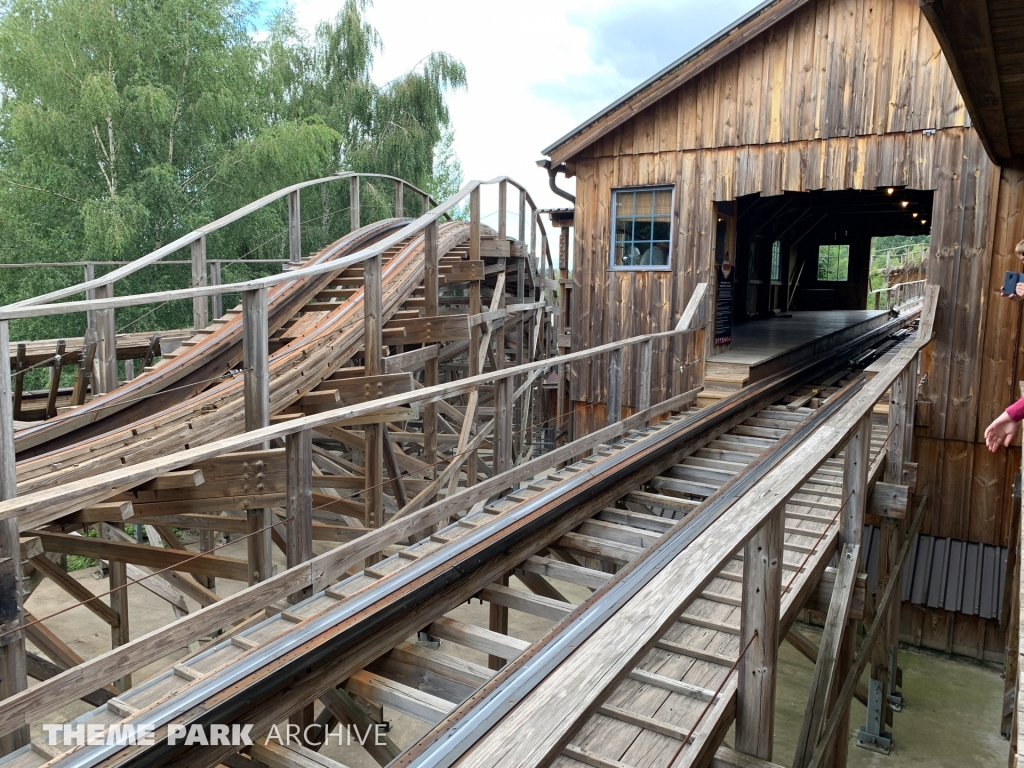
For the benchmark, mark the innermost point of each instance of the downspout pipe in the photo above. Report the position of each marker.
(552, 172)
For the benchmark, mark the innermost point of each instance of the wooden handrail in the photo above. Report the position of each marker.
(185, 240)
(40, 507)
(36, 308)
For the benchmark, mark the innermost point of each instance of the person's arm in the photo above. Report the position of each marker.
(1016, 411)
(1001, 431)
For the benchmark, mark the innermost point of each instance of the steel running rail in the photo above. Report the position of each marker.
(450, 565)
(564, 637)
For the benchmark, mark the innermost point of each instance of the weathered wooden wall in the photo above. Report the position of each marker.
(842, 94)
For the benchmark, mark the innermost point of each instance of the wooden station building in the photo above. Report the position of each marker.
(813, 123)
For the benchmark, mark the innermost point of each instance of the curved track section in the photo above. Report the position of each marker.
(191, 397)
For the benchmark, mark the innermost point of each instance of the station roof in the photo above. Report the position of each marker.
(981, 42)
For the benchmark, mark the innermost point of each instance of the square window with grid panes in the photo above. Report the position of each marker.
(642, 228)
(833, 263)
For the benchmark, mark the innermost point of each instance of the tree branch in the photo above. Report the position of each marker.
(40, 189)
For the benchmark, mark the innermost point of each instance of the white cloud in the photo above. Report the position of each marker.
(536, 68)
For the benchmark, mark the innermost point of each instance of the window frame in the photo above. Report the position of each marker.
(839, 255)
(612, 266)
(773, 265)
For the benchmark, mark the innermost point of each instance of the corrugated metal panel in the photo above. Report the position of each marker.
(948, 574)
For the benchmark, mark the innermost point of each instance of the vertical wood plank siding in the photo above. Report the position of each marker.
(841, 94)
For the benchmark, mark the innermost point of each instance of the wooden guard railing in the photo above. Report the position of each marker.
(310, 575)
(898, 295)
(752, 524)
(101, 303)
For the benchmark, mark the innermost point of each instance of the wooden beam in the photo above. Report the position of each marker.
(341, 705)
(106, 344)
(141, 554)
(118, 580)
(200, 304)
(294, 227)
(256, 392)
(71, 585)
(355, 219)
(497, 618)
(273, 754)
(13, 670)
(299, 508)
(373, 436)
(759, 637)
(831, 728)
(402, 698)
(828, 652)
(614, 404)
(43, 669)
(731, 758)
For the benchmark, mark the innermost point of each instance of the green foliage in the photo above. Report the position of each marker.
(126, 125)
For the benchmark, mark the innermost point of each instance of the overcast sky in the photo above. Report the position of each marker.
(536, 68)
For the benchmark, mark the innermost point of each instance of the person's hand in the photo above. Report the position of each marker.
(1000, 432)
(1019, 290)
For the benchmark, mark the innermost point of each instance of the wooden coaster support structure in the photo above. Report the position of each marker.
(311, 501)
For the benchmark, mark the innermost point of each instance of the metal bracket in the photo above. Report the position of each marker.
(871, 736)
(893, 697)
(427, 640)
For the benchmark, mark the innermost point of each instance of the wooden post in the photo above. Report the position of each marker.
(522, 217)
(476, 356)
(826, 668)
(533, 236)
(353, 203)
(106, 347)
(759, 626)
(256, 389)
(430, 368)
(218, 299)
(498, 622)
(372, 322)
(856, 463)
(426, 202)
(200, 313)
(503, 450)
(207, 541)
(90, 275)
(399, 199)
(294, 228)
(643, 395)
(19, 379)
(902, 396)
(299, 522)
(117, 573)
(502, 210)
(13, 675)
(299, 494)
(614, 399)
